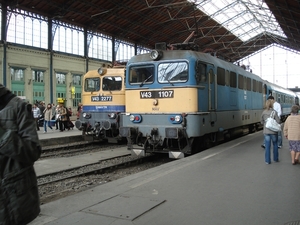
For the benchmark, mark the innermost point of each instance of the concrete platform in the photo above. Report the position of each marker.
(226, 185)
(56, 137)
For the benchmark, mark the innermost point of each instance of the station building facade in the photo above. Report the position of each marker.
(28, 74)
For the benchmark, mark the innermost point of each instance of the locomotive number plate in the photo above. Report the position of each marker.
(157, 94)
(101, 98)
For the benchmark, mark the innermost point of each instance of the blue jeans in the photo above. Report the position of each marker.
(47, 123)
(279, 143)
(268, 139)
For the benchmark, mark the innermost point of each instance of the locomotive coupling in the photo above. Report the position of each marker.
(154, 131)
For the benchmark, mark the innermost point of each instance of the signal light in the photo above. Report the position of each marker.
(135, 118)
(175, 119)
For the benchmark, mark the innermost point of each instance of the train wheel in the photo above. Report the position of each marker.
(147, 146)
(252, 128)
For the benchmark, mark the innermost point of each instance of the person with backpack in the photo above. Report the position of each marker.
(69, 122)
(19, 149)
(63, 119)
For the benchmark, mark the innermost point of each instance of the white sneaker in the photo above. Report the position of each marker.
(45, 132)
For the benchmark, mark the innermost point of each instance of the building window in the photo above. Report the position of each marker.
(17, 74)
(38, 94)
(61, 95)
(60, 78)
(38, 76)
(18, 93)
(77, 99)
(77, 79)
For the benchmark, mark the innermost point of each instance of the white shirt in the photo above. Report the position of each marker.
(36, 112)
(277, 108)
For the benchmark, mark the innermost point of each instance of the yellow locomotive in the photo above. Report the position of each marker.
(103, 99)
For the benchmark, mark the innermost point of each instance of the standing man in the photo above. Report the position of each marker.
(277, 108)
(19, 149)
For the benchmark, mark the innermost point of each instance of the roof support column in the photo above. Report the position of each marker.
(3, 39)
(50, 49)
(86, 45)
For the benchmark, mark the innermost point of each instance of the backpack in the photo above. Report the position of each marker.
(68, 112)
(5, 99)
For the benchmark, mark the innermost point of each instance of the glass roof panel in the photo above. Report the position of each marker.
(244, 18)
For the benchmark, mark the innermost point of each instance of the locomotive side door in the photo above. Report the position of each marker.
(207, 93)
(211, 88)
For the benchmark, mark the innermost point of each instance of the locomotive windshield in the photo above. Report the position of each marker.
(92, 84)
(141, 74)
(111, 83)
(172, 71)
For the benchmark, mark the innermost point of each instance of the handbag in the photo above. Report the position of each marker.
(271, 123)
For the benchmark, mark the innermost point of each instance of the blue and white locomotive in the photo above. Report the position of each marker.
(103, 99)
(181, 101)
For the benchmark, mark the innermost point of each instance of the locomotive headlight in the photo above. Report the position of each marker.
(175, 119)
(86, 115)
(155, 55)
(102, 71)
(131, 117)
(135, 118)
(112, 115)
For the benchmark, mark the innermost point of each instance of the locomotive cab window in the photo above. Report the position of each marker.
(92, 84)
(141, 74)
(111, 83)
(172, 72)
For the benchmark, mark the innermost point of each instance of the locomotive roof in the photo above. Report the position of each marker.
(174, 21)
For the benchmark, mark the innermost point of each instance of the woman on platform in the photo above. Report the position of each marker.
(269, 135)
(47, 117)
(291, 131)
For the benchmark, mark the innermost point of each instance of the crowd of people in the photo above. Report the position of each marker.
(51, 116)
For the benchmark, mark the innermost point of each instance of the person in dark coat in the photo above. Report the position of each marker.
(19, 149)
(62, 117)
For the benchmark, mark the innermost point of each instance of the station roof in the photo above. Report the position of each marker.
(232, 29)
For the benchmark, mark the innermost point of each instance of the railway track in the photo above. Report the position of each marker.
(75, 148)
(60, 184)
